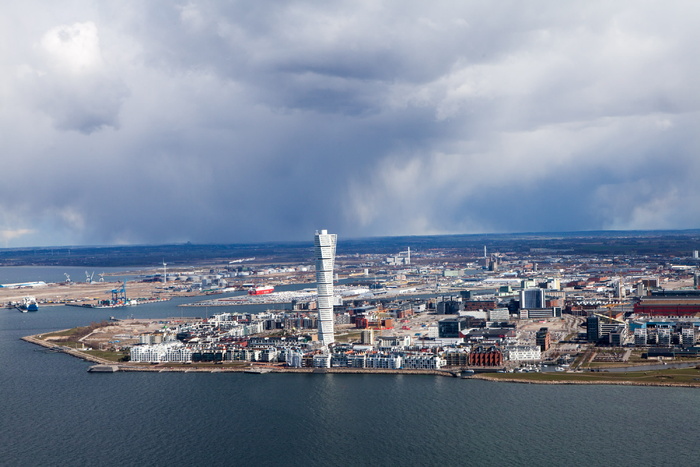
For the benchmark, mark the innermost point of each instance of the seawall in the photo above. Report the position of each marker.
(580, 382)
(68, 350)
(161, 368)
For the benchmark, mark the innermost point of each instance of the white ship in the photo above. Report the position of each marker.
(28, 304)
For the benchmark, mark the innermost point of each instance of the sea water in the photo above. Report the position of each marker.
(52, 412)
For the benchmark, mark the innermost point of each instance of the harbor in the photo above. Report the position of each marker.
(89, 294)
(304, 295)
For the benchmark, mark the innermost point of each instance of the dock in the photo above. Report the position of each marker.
(103, 369)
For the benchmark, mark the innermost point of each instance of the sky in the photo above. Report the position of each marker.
(151, 122)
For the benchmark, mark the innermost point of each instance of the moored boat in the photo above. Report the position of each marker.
(261, 290)
(28, 304)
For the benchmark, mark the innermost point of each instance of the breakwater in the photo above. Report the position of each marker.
(70, 351)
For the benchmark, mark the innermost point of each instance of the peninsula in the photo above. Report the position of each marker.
(512, 311)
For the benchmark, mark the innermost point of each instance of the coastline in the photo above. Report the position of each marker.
(252, 368)
(125, 366)
(487, 377)
(67, 350)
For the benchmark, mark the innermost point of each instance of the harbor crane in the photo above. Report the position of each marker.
(119, 295)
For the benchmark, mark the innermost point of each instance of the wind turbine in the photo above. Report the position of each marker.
(165, 272)
(67, 276)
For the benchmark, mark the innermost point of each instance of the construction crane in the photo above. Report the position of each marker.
(610, 318)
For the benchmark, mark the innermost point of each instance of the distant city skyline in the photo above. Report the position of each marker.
(165, 122)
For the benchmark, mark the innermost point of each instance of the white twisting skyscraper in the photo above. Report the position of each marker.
(325, 260)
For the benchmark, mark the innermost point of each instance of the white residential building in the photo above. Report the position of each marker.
(322, 361)
(688, 336)
(640, 336)
(422, 362)
(160, 353)
(526, 353)
(384, 361)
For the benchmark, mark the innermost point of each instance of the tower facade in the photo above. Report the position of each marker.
(532, 298)
(324, 244)
(592, 328)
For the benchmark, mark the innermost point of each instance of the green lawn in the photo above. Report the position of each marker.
(75, 333)
(108, 355)
(672, 376)
(349, 336)
(65, 333)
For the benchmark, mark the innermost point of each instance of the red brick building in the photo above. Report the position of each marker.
(481, 356)
(475, 305)
(669, 303)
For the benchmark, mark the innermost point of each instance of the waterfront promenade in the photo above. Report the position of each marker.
(689, 378)
(212, 368)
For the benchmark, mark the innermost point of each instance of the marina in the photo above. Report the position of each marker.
(28, 304)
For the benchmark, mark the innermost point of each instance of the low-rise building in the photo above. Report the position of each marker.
(522, 353)
(499, 314)
(383, 361)
(640, 336)
(322, 360)
(486, 356)
(422, 362)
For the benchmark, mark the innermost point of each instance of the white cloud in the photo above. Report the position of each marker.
(6, 236)
(217, 122)
(74, 48)
(70, 81)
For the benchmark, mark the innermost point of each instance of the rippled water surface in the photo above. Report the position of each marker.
(54, 413)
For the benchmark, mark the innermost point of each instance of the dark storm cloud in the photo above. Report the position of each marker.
(244, 121)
